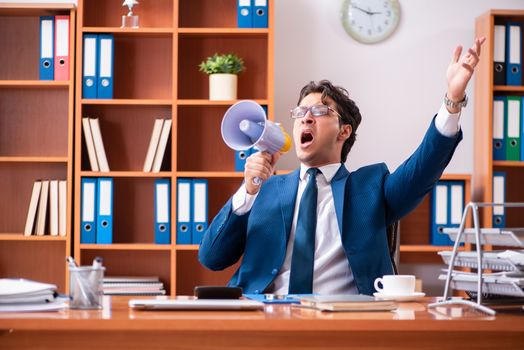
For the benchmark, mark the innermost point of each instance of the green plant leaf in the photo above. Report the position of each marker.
(222, 63)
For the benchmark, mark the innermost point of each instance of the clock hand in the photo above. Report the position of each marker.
(369, 13)
(361, 9)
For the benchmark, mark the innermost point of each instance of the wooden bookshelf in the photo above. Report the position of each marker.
(485, 90)
(156, 76)
(36, 142)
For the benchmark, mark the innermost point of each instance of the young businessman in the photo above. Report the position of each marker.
(321, 229)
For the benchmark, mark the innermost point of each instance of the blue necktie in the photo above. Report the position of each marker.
(301, 276)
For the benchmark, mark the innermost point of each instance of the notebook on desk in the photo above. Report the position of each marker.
(195, 304)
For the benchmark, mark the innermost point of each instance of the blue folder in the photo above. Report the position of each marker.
(184, 214)
(499, 129)
(90, 66)
(105, 65)
(162, 211)
(514, 53)
(199, 218)
(244, 14)
(499, 196)
(88, 210)
(260, 14)
(47, 48)
(104, 209)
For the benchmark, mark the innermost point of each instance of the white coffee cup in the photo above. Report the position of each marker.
(396, 284)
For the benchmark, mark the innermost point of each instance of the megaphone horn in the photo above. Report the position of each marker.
(245, 125)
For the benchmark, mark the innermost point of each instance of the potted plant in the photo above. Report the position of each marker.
(222, 70)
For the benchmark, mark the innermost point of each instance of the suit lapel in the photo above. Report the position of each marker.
(338, 185)
(288, 186)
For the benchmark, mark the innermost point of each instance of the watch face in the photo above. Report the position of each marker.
(370, 21)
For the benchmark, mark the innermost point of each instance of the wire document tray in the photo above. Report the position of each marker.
(509, 282)
(492, 260)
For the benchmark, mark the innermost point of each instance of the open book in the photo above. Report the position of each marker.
(346, 303)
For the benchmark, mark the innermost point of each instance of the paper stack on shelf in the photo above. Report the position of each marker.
(21, 295)
(124, 285)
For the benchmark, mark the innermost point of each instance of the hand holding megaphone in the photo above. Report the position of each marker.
(245, 125)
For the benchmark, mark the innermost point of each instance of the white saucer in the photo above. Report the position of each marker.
(409, 297)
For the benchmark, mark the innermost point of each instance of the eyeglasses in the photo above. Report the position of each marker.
(315, 110)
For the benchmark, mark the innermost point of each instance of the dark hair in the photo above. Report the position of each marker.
(345, 106)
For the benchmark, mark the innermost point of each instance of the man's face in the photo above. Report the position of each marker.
(319, 140)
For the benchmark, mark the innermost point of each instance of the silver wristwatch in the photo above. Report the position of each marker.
(453, 104)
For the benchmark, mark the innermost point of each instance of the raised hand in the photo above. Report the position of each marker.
(461, 69)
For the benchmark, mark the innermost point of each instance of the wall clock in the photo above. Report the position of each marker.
(370, 21)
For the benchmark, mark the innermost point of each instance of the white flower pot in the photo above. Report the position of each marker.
(222, 87)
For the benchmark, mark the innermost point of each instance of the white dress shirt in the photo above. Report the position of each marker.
(331, 272)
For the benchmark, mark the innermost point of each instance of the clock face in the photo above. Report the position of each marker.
(370, 21)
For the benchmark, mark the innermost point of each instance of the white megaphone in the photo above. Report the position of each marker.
(245, 125)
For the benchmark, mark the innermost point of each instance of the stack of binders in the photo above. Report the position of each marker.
(507, 54)
(97, 73)
(252, 13)
(446, 210)
(54, 48)
(508, 122)
(46, 194)
(97, 210)
(192, 210)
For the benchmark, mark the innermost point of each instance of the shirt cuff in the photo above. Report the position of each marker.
(448, 124)
(242, 201)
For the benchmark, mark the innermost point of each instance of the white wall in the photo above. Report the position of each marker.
(398, 84)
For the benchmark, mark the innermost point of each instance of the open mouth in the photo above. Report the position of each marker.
(306, 137)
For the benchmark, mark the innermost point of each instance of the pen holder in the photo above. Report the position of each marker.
(86, 287)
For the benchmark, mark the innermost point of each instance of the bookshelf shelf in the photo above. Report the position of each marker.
(204, 174)
(187, 247)
(230, 32)
(34, 159)
(167, 32)
(125, 246)
(21, 237)
(137, 174)
(423, 248)
(505, 163)
(203, 102)
(34, 83)
(128, 102)
(517, 89)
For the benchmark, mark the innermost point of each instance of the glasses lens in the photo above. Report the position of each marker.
(319, 110)
(299, 112)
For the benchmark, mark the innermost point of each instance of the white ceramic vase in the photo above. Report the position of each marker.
(222, 87)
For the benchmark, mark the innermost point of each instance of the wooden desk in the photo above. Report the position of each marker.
(279, 327)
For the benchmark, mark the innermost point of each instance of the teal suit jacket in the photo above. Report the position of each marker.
(366, 202)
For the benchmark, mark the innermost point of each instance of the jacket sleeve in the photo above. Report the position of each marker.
(405, 188)
(224, 240)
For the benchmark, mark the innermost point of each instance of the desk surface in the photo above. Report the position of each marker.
(278, 326)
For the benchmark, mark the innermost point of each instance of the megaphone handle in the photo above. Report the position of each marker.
(257, 181)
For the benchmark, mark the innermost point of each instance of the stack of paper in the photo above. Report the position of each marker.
(124, 285)
(346, 303)
(18, 295)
